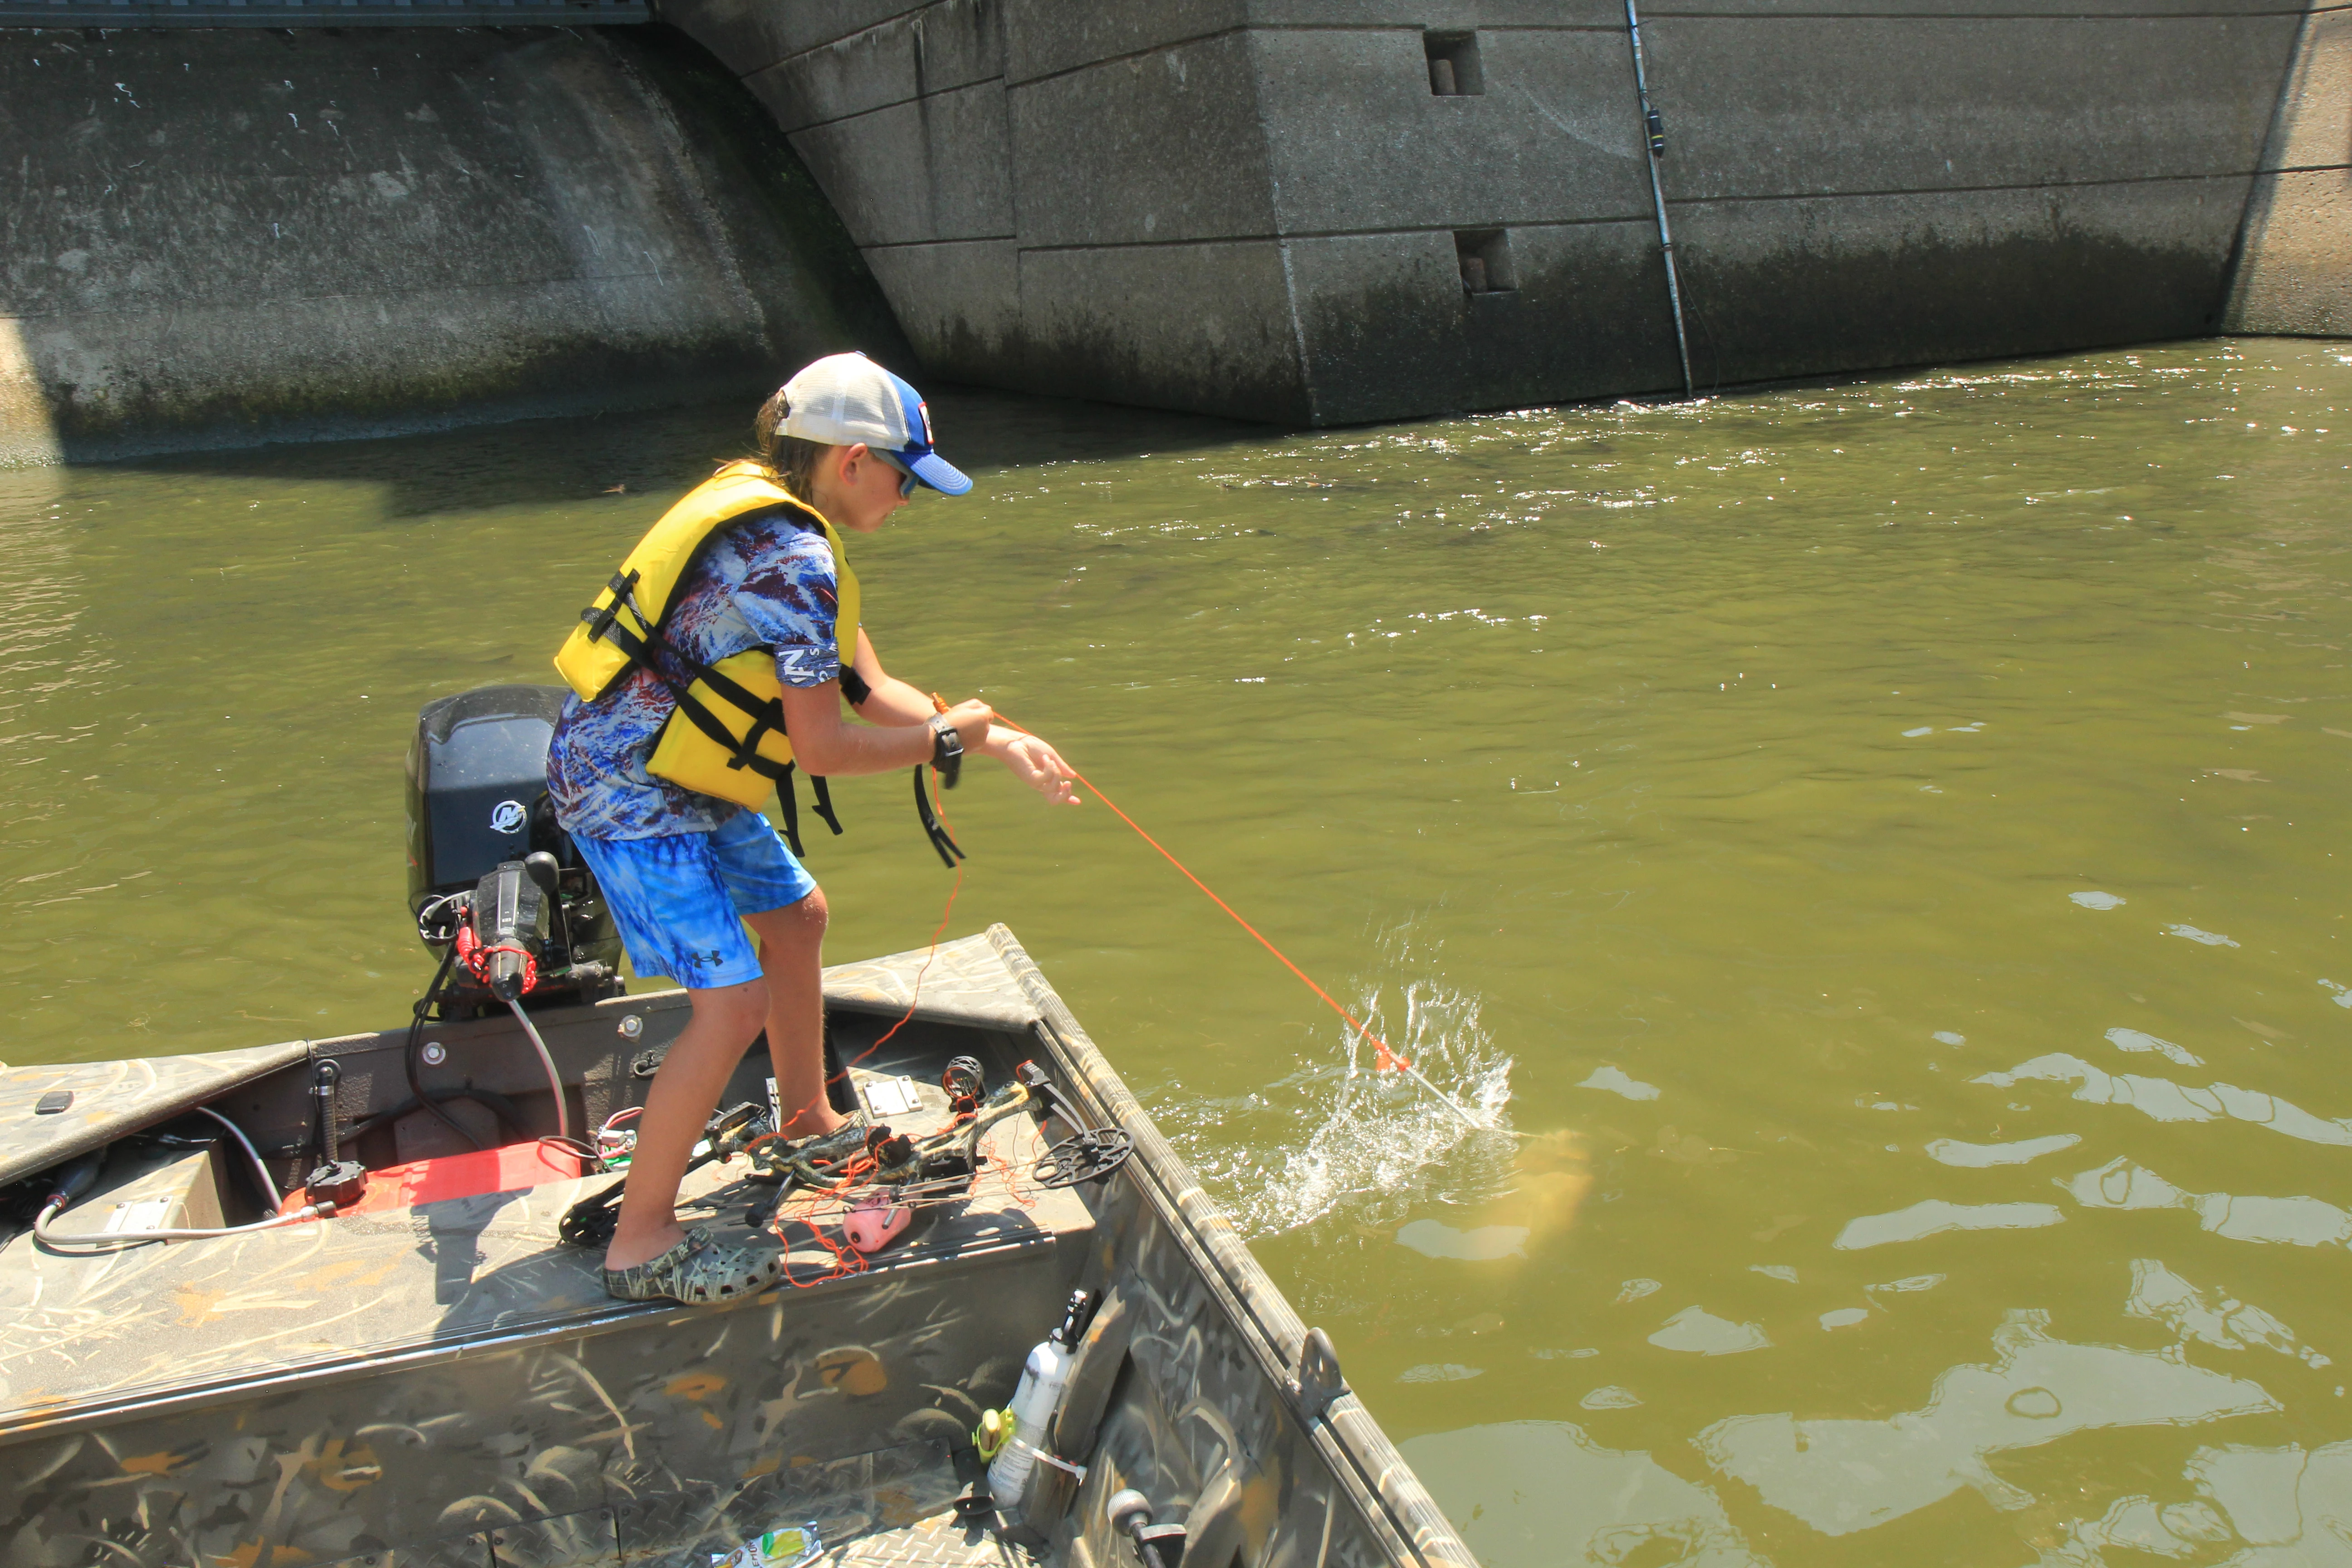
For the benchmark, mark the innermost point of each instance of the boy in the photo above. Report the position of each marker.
(735, 612)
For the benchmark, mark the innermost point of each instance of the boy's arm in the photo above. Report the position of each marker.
(825, 744)
(892, 701)
(896, 732)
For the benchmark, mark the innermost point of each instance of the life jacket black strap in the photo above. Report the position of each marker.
(789, 799)
(824, 803)
(854, 687)
(948, 850)
(716, 730)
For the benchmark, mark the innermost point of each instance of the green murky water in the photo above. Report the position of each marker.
(1887, 841)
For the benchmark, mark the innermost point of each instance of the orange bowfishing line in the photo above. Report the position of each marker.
(1383, 1059)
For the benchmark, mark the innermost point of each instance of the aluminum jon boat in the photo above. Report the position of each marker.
(432, 1377)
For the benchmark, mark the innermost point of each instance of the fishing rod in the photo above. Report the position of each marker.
(1383, 1058)
(1654, 132)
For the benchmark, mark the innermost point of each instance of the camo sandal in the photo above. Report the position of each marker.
(697, 1271)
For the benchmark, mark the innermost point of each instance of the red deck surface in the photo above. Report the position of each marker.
(511, 1168)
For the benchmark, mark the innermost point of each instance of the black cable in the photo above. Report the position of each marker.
(415, 1043)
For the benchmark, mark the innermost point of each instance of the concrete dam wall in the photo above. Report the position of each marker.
(231, 235)
(1311, 212)
(1269, 207)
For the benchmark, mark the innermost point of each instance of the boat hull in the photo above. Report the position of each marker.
(562, 1427)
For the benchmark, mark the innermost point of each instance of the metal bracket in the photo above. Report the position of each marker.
(1318, 1381)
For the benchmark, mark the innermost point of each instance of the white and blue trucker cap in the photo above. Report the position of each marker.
(843, 400)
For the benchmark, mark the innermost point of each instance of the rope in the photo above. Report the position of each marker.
(1383, 1059)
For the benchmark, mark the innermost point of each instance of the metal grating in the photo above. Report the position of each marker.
(453, 1551)
(320, 13)
(585, 1539)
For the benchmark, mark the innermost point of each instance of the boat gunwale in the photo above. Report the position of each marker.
(1389, 1495)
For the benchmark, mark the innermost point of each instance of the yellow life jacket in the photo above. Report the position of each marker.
(726, 737)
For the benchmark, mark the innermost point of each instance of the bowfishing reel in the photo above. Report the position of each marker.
(964, 1083)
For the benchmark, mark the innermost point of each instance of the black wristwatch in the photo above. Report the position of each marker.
(946, 751)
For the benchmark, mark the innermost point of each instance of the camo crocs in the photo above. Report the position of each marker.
(697, 1271)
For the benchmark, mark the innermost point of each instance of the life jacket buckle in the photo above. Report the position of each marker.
(621, 588)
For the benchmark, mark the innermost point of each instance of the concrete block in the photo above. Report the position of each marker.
(1389, 331)
(1807, 106)
(937, 168)
(753, 34)
(1848, 283)
(959, 304)
(1205, 327)
(2294, 260)
(952, 44)
(1046, 36)
(2295, 276)
(1358, 141)
(2021, 10)
(1150, 149)
(2313, 126)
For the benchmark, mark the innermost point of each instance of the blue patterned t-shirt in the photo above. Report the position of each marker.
(767, 582)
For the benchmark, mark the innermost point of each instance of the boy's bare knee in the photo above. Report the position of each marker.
(737, 1009)
(800, 925)
(810, 913)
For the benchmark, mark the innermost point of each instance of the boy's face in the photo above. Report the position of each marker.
(855, 489)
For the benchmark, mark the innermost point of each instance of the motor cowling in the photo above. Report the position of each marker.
(489, 870)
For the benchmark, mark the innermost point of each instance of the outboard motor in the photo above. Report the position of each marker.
(496, 886)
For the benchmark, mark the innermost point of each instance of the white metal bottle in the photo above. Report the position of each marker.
(1033, 1403)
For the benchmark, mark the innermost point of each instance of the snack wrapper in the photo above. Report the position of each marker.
(787, 1548)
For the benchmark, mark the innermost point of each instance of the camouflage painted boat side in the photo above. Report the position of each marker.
(443, 1385)
(111, 1099)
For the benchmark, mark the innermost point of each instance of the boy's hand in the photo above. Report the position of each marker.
(1036, 765)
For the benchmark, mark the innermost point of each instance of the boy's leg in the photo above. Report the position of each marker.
(791, 942)
(677, 917)
(684, 1092)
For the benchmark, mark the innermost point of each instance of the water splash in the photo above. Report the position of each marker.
(1344, 1136)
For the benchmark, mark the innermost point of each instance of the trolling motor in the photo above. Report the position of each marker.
(498, 888)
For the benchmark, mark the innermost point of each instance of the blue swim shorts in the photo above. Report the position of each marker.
(679, 899)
